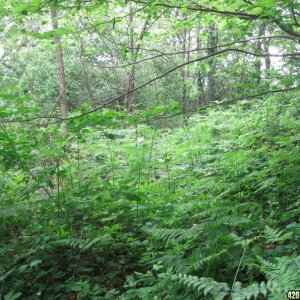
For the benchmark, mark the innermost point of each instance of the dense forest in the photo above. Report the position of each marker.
(149, 149)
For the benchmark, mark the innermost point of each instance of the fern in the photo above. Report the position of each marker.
(77, 243)
(232, 221)
(282, 274)
(276, 235)
(204, 285)
(220, 290)
(208, 259)
(252, 291)
(175, 235)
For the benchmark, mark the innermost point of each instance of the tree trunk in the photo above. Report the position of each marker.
(211, 82)
(266, 46)
(61, 70)
(261, 32)
(184, 73)
(86, 78)
(200, 91)
(129, 99)
(134, 52)
(84, 70)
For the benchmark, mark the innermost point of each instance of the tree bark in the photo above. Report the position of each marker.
(184, 73)
(61, 70)
(200, 90)
(261, 32)
(134, 52)
(84, 70)
(266, 46)
(211, 82)
(263, 47)
(129, 98)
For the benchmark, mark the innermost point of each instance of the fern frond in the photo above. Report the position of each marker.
(252, 291)
(196, 265)
(78, 243)
(283, 274)
(218, 290)
(175, 235)
(276, 235)
(232, 221)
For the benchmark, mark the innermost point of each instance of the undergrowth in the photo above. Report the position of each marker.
(208, 210)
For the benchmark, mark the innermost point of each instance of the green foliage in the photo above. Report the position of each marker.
(207, 286)
(160, 202)
(208, 210)
(220, 290)
(283, 273)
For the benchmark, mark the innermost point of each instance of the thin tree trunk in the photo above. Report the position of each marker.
(134, 52)
(85, 72)
(266, 46)
(184, 73)
(86, 78)
(261, 32)
(129, 99)
(61, 70)
(200, 91)
(188, 58)
(211, 82)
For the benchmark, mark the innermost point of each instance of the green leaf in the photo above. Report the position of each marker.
(35, 263)
(12, 295)
(3, 277)
(257, 10)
